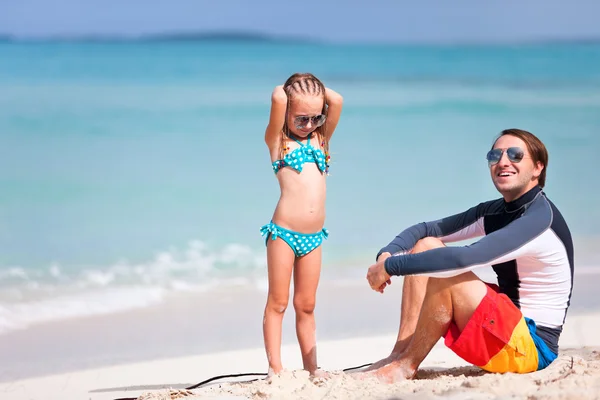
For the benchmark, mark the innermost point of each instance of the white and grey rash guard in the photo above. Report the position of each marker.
(527, 242)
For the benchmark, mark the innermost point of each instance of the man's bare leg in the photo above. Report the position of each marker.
(413, 293)
(446, 299)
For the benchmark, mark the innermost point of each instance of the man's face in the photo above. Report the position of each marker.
(514, 177)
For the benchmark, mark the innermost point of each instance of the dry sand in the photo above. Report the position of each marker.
(575, 375)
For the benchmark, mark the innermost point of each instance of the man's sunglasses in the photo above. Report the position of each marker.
(301, 121)
(514, 154)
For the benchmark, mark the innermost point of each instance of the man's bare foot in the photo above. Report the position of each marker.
(362, 375)
(381, 363)
(393, 372)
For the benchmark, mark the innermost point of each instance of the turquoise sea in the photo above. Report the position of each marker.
(131, 170)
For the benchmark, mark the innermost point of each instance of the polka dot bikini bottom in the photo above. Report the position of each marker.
(301, 243)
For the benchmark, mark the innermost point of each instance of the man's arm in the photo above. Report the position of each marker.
(513, 241)
(462, 226)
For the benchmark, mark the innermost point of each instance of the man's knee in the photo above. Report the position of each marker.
(459, 282)
(427, 243)
(466, 291)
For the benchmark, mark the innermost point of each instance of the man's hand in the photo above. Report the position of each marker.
(382, 257)
(377, 276)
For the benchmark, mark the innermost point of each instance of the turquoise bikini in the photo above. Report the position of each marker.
(303, 154)
(300, 243)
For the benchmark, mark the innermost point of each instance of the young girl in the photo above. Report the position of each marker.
(304, 114)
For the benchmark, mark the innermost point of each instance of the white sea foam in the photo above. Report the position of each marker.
(29, 296)
(21, 315)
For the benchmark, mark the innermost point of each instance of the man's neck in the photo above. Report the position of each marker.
(512, 196)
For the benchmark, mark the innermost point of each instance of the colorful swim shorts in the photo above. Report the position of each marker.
(498, 338)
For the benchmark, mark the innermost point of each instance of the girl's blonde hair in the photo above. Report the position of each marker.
(304, 84)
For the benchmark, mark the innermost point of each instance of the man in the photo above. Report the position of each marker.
(510, 327)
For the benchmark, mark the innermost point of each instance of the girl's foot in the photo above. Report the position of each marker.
(319, 377)
(273, 373)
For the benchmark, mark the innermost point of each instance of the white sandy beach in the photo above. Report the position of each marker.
(576, 374)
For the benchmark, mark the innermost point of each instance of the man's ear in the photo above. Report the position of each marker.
(539, 167)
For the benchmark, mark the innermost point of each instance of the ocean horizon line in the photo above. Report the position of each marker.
(260, 37)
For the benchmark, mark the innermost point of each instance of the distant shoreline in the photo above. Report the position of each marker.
(160, 37)
(252, 37)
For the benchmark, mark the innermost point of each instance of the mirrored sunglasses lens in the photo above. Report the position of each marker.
(302, 121)
(515, 154)
(493, 156)
(319, 119)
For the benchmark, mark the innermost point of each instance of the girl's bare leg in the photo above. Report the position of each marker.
(306, 280)
(280, 262)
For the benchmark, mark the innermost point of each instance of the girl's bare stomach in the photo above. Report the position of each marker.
(301, 207)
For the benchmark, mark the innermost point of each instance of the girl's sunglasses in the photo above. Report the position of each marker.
(301, 121)
(514, 154)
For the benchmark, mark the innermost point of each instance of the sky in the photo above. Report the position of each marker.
(355, 21)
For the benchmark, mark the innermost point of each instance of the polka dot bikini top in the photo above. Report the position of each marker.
(303, 154)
